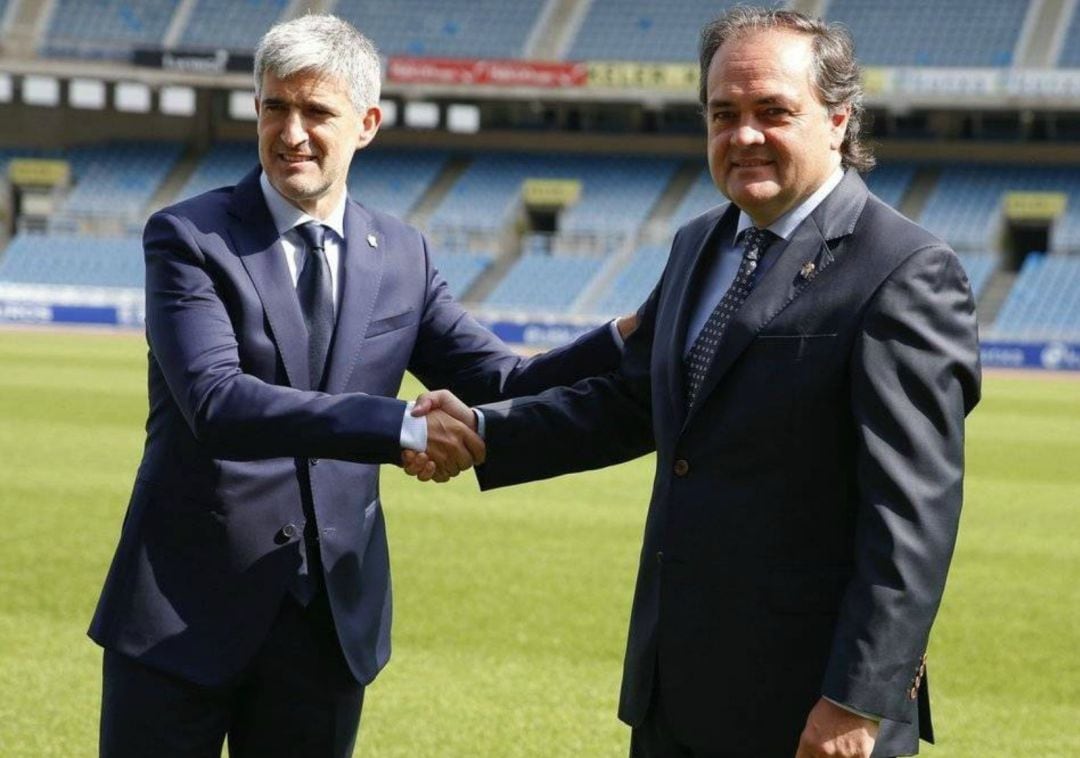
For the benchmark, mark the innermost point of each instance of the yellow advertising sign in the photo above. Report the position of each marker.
(1035, 206)
(653, 76)
(875, 80)
(551, 193)
(39, 172)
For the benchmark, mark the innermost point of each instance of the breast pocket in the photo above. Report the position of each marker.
(391, 323)
(792, 347)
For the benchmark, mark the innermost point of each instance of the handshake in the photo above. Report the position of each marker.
(453, 444)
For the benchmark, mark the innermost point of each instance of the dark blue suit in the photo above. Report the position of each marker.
(805, 507)
(236, 438)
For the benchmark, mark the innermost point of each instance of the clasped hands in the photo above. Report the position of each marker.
(453, 444)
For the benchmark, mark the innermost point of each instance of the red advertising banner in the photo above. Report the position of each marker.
(508, 73)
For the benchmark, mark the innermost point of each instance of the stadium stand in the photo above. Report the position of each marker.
(106, 28)
(634, 282)
(890, 181)
(73, 260)
(223, 164)
(644, 30)
(617, 192)
(461, 270)
(462, 28)
(393, 180)
(965, 205)
(1044, 303)
(1070, 50)
(701, 196)
(118, 179)
(544, 282)
(932, 33)
(230, 24)
(979, 267)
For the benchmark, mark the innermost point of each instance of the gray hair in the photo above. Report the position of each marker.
(322, 44)
(835, 72)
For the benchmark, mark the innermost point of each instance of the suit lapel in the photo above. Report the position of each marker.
(789, 276)
(362, 270)
(256, 241)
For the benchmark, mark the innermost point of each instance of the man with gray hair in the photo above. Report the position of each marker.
(249, 597)
(802, 370)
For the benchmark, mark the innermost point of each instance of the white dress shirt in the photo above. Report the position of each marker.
(286, 218)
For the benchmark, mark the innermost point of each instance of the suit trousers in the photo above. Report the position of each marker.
(296, 699)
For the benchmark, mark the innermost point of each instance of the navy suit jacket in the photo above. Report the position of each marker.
(804, 509)
(236, 438)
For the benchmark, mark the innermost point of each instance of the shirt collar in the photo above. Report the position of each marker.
(784, 226)
(287, 216)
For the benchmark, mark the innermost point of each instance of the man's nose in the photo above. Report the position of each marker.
(747, 134)
(293, 132)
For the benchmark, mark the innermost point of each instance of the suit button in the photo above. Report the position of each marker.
(681, 467)
(289, 531)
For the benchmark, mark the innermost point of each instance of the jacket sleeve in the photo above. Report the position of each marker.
(914, 377)
(453, 351)
(597, 422)
(236, 415)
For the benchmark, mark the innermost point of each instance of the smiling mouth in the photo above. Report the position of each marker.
(296, 158)
(751, 163)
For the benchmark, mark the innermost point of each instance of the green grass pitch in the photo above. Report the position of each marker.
(511, 608)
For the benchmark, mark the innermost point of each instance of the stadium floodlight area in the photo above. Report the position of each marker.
(230, 24)
(1044, 302)
(932, 33)
(634, 281)
(616, 196)
(106, 28)
(538, 283)
(393, 180)
(449, 28)
(965, 208)
(644, 30)
(118, 179)
(67, 260)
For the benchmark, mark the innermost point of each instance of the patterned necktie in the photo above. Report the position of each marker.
(704, 348)
(313, 288)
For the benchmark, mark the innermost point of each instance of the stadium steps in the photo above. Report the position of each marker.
(557, 26)
(178, 24)
(1040, 43)
(26, 29)
(486, 283)
(601, 283)
(658, 225)
(169, 191)
(993, 297)
(433, 196)
(918, 192)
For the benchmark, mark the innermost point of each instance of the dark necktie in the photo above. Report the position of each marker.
(313, 288)
(704, 348)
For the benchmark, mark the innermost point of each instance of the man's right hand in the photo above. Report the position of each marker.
(453, 444)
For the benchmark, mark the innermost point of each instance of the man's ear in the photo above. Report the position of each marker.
(838, 121)
(369, 126)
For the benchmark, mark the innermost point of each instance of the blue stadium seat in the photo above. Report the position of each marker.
(965, 206)
(932, 33)
(106, 28)
(73, 261)
(544, 282)
(634, 282)
(224, 164)
(393, 180)
(461, 270)
(118, 179)
(644, 30)
(890, 181)
(1044, 302)
(1070, 50)
(617, 192)
(979, 268)
(230, 24)
(449, 28)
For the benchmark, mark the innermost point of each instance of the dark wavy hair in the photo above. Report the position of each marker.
(836, 74)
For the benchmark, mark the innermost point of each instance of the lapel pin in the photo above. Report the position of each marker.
(371, 240)
(807, 270)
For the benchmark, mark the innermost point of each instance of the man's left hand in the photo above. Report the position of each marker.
(837, 733)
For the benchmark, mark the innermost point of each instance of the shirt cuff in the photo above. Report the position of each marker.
(614, 327)
(481, 426)
(856, 711)
(413, 431)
